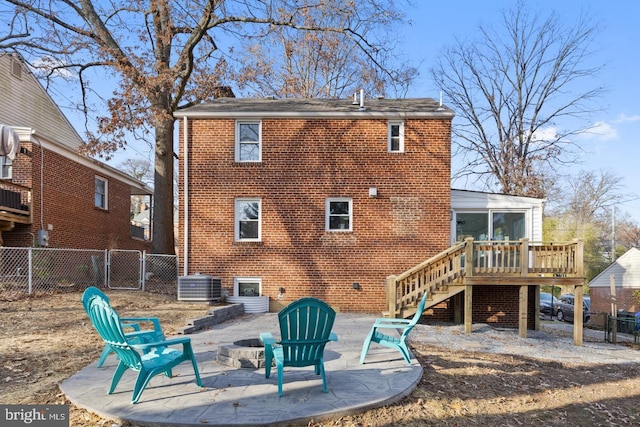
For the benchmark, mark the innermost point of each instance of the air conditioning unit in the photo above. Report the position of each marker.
(199, 287)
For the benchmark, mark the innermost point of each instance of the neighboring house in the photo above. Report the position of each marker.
(626, 275)
(50, 195)
(327, 198)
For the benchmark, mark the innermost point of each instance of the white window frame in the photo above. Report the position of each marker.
(105, 196)
(6, 164)
(489, 213)
(237, 218)
(237, 281)
(239, 143)
(390, 126)
(328, 214)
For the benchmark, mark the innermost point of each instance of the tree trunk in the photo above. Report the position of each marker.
(163, 239)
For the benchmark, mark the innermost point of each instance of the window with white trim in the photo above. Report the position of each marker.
(248, 215)
(101, 193)
(339, 214)
(395, 137)
(6, 169)
(247, 286)
(248, 145)
(492, 225)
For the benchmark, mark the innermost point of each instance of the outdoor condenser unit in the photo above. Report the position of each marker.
(199, 287)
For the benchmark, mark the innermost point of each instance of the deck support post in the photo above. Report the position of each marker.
(524, 289)
(468, 289)
(578, 319)
(392, 296)
(458, 309)
(468, 308)
(536, 307)
(522, 311)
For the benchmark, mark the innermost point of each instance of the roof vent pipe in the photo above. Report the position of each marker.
(361, 99)
(355, 99)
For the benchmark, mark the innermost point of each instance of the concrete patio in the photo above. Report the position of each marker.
(240, 396)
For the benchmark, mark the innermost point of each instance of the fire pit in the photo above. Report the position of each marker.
(247, 353)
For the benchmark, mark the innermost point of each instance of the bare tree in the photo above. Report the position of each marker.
(516, 95)
(288, 63)
(583, 208)
(163, 54)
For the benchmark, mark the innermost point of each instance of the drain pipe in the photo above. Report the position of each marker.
(185, 186)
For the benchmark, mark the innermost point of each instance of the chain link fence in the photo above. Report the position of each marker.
(33, 271)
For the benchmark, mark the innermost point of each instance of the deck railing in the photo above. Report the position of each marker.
(488, 258)
(15, 199)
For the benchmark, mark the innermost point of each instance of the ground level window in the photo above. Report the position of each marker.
(247, 287)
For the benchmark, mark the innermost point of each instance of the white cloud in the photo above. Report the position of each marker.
(623, 118)
(46, 64)
(601, 130)
(547, 134)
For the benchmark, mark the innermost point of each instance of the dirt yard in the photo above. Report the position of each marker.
(46, 339)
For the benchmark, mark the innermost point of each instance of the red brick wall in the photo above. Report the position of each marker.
(303, 163)
(601, 299)
(68, 204)
(494, 305)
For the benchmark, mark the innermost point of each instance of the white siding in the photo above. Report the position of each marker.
(626, 270)
(477, 201)
(25, 103)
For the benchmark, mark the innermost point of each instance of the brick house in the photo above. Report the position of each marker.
(330, 198)
(50, 195)
(626, 277)
(290, 198)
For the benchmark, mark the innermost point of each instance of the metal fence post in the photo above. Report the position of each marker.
(143, 269)
(30, 256)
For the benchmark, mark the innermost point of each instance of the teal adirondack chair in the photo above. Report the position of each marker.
(395, 342)
(136, 336)
(305, 329)
(157, 358)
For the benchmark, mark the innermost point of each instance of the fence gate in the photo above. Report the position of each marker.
(125, 269)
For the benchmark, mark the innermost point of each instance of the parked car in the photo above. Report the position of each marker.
(547, 304)
(565, 308)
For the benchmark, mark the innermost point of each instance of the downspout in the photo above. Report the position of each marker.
(35, 139)
(185, 185)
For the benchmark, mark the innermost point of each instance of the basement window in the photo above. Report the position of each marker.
(247, 286)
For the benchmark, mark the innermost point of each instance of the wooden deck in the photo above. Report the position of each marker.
(496, 263)
(15, 205)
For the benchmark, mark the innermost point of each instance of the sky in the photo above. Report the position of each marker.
(613, 146)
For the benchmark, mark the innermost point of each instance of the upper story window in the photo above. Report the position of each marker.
(102, 193)
(248, 213)
(6, 170)
(395, 137)
(248, 141)
(339, 214)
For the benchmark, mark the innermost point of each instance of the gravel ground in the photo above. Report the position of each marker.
(554, 341)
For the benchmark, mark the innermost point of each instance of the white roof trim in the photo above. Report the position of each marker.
(32, 136)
